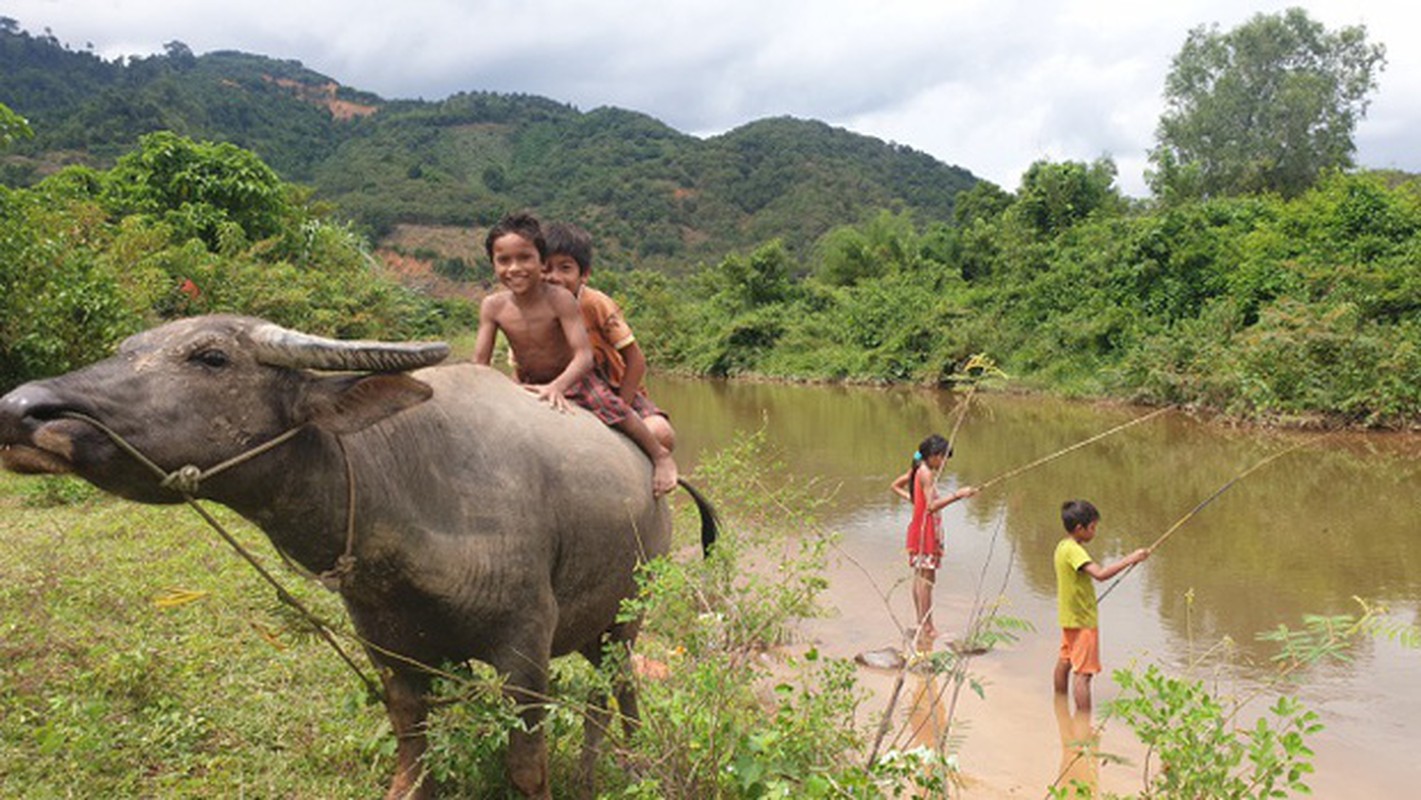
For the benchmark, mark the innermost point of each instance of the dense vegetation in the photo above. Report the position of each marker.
(175, 228)
(1258, 306)
(849, 259)
(1268, 106)
(651, 195)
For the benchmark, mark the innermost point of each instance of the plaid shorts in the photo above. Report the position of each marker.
(925, 560)
(596, 395)
(644, 408)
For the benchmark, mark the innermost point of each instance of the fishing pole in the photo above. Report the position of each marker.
(1053, 456)
(977, 368)
(1206, 501)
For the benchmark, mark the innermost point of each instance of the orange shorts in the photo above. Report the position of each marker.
(1081, 647)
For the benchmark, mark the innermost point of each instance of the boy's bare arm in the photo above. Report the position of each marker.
(1106, 573)
(488, 327)
(570, 320)
(636, 370)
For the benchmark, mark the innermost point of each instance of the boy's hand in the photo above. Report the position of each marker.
(1139, 555)
(965, 492)
(549, 394)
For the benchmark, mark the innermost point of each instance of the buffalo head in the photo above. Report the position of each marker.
(199, 391)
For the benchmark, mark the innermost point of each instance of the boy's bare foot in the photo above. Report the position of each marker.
(664, 474)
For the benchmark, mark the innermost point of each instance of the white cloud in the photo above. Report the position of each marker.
(989, 85)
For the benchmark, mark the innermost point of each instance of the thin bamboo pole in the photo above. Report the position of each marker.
(1179, 523)
(1063, 451)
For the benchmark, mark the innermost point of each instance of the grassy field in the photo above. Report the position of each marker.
(140, 657)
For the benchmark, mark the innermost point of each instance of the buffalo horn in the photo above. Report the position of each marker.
(281, 347)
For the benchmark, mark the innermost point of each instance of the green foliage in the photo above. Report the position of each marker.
(1054, 196)
(182, 227)
(1257, 306)
(61, 307)
(12, 127)
(849, 254)
(1200, 753)
(1266, 107)
(649, 194)
(1201, 749)
(215, 192)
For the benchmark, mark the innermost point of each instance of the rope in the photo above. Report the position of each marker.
(186, 481)
(336, 577)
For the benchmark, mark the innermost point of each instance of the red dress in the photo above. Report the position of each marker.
(924, 535)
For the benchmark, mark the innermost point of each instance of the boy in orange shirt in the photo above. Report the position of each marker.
(549, 341)
(1075, 598)
(615, 353)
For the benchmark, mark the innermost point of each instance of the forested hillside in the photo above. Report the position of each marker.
(651, 195)
(1281, 287)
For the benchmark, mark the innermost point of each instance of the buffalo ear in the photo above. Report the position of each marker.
(350, 403)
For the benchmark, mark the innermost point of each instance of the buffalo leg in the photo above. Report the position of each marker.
(594, 726)
(526, 669)
(598, 718)
(408, 710)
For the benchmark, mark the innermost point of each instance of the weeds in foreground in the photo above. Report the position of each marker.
(1197, 746)
(139, 659)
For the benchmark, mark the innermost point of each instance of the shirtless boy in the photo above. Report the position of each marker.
(544, 329)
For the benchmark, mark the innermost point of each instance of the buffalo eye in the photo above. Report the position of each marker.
(212, 357)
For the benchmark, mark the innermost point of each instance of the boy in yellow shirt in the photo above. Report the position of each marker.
(1075, 599)
(616, 355)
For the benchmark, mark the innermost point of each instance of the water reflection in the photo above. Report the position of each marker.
(1335, 520)
(1079, 773)
(1304, 535)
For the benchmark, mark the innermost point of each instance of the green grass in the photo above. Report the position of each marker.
(140, 657)
(107, 692)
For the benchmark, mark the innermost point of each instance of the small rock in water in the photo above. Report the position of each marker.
(882, 658)
(968, 648)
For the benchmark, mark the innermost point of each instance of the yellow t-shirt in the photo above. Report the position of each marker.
(1075, 590)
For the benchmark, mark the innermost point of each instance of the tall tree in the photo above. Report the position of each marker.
(1055, 196)
(1265, 107)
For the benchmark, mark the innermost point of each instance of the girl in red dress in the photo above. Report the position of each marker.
(919, 485)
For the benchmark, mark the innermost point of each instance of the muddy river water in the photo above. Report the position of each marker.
(1335, 520)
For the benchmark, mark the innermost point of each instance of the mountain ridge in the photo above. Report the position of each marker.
(651, 195)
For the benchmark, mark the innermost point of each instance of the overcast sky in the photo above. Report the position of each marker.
(988, 85)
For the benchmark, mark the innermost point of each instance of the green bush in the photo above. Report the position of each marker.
(179, 228)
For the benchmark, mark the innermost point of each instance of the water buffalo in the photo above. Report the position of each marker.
(486, 525)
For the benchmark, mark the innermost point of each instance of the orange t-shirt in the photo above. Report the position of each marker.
(608, 331)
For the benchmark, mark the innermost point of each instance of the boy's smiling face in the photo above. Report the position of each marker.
(516, 263)
(562, 270)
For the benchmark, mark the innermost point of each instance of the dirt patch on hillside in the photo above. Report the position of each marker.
(449, 241)
(325, 95)
(411, 251)
(419, 274)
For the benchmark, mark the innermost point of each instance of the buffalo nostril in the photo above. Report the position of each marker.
(32, 402)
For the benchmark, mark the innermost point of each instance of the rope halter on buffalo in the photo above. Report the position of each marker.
(187, 480)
